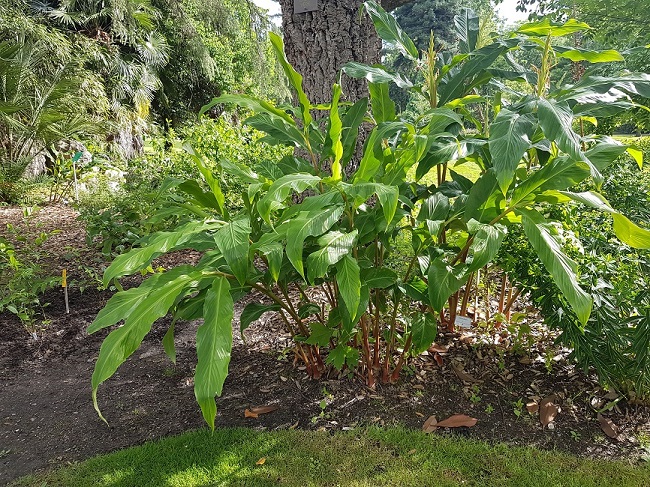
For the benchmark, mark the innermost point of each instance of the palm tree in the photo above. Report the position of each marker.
(35, 113)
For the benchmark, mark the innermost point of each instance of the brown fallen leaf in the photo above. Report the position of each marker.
(548, 410)
(429, 425)
(456, 421)
(294, 425)
(263, 409)
(608, 426)
(532, 407)
(261, 461)
(435, 348)
(464, 376)
(438, 358)
(249, 414)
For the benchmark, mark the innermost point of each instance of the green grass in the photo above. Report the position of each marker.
(374, 457)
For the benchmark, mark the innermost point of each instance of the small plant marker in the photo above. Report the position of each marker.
(64, 285)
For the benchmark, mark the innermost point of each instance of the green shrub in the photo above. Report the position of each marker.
(23, 276)
(320, 263)
(617, 277)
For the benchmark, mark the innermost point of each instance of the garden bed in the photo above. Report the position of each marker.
(48, 419)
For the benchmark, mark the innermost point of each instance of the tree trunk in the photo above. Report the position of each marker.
(319, 43)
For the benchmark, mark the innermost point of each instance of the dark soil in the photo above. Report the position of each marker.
(47, 417)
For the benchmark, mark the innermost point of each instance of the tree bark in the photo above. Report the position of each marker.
(319, 43)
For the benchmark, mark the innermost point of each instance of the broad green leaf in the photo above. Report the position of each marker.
(441, 120)
(344, 314)
(637, 155)
(389, 30)
(306, 310)
(161, 242)
(378, 278)
(388, 196)
(556, 120)
(280, 191)
(408, 154)
(336, 127)
(604, 152)
(482, 197)
(561, 173)
(349, 282)
(139, 309)
(352, 119)
(436, 208)
(630, 233)
(307, 224)
(471, 73)
(205, 171)
(375, 74)
(334, 246)
(626, 231)
(239, 170)
(441, 151)
(577, 54)
(467, 30)
(232, 241)
(424, 329)
(545, 27)
(509, 140)
(213, 347)
(203, 198)
(558, 264)
(628, 83)
(295, 79)
(256, 105)
(273, 253)
(278, 130)
(591, 199)
(417, 290)
(444, 280)
(342, 355)
(486, 244)
(373, 152)
(253, 311)
(383, 108)
(320, 335)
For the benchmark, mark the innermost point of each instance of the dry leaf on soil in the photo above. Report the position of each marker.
(456, 421)
(429, 425)
(263, 409)
(438, 358)
(608, 426)
(547, 410)
(435, 348)
(249, 414)
(464, 376)
(532, 407)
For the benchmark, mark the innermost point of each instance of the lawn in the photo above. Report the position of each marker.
(369, 457)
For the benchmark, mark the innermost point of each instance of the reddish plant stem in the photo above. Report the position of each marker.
(400, 363)
(376, 331)
(511, 301)
(370, 378)
(466, 294)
